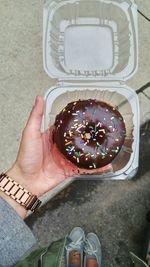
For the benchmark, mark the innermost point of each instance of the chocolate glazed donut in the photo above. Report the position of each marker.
(89, 133)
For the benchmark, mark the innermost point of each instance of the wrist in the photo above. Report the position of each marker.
(13, 173)
(16, 192)
(24, 180)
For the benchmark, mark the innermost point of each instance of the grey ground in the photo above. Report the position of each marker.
(116, 211)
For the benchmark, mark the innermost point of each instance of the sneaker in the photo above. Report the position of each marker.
(74, 250)
(92, 251)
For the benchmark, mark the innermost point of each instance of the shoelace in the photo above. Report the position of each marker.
(88, 249)
(74, 246)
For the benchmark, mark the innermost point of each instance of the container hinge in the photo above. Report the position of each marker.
(60, 83)
(122, 82)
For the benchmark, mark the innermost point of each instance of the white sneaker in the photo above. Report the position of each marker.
(92, 249)
(77, 240)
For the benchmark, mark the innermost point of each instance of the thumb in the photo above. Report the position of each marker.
(35, 119)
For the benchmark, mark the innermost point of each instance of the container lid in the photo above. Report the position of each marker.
(94, 39)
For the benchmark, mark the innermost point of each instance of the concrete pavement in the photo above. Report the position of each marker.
(114, 210)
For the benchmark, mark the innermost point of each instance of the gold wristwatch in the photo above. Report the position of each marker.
(18, 193)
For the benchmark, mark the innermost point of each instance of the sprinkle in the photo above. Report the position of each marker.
(68, 111)
(94, 165)
(87, 155)
(85, 143)
(103, 130)
(116, 139)
(74, 157)
(83, 113)
(65, 134)
(64, 110)
(112, 118)
(78, 111)
(79, 129)
(110, 126)
(75, 120)
(68, 143)
(97, 153)
(98, 144)
(104, 119)
(114, 151)
(74, 114)
(75, 103)
(106, 110)
(78, 160)
(70, 133)
(90, 166)
(86, 158)
(110, 155)
(99, 124)
(92, 155)
(103, 156)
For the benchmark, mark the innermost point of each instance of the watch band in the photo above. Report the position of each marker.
(18, 193)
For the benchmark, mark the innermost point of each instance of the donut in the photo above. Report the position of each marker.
(89, 133)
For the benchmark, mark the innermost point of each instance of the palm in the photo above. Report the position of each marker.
(39, 161)
(42, 164)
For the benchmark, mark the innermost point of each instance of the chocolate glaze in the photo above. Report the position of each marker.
(89, 133)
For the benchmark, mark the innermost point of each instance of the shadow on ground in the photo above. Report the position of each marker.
(116, 211)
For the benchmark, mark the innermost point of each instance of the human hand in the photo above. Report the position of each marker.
(39, 165)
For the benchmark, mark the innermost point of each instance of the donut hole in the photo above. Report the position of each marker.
(94, 133)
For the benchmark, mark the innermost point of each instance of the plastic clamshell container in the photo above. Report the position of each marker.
(91, 47)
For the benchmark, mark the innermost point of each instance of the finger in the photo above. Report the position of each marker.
(35, 119)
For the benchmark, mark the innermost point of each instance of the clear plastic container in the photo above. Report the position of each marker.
(91, 47)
